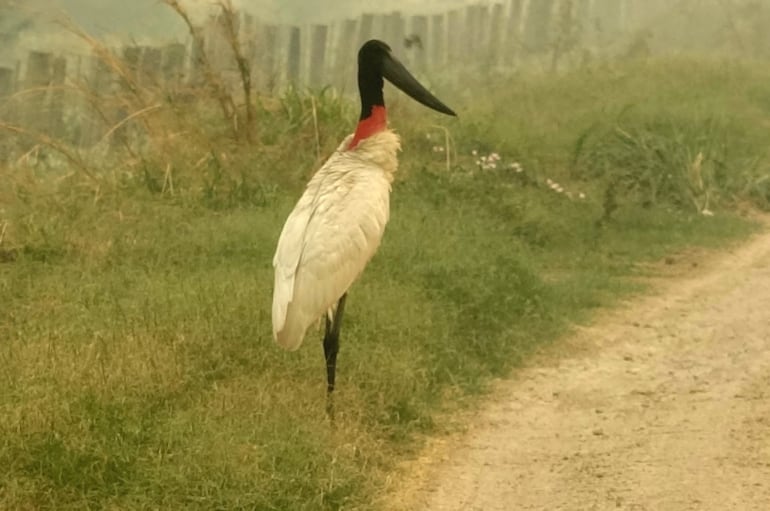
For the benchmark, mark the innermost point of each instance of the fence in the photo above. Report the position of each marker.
(490, 36)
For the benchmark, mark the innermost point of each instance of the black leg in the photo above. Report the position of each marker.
(332, 343)
(331, 347)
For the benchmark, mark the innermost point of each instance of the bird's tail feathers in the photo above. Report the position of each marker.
(290, 337)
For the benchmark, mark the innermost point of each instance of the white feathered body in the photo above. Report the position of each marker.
(332, 233)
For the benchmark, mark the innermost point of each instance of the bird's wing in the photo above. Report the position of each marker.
(326, 242)
(291, 241)
(287, 256)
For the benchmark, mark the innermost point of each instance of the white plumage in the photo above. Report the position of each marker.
(336, 227)
(332, 233)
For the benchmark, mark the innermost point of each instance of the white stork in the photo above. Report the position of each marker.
(338, 223)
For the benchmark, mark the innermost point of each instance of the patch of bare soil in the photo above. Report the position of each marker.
(663, 404)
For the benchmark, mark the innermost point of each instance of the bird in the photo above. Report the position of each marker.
(413, 40)
(338, 222)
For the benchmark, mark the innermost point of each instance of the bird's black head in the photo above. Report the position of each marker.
(375, 62)
(372, 53)
(370, 58)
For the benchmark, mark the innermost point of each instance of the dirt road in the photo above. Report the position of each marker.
(661, 405)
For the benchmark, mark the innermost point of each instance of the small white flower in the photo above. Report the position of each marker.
(474, 152)
(548, 181)
(707, 212)
(581, 195)
(492, 165)
(427, 135)
(478, 162)
(494, 156)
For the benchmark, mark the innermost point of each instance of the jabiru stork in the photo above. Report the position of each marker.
(338, 222)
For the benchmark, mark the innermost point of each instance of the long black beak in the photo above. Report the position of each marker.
(395, 72)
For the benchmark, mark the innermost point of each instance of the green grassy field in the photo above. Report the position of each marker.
(138, 369)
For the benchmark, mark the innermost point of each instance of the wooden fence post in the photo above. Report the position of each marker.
(215, 44)
(198, 58)
(512, 40)
(419, 43)
(455, 31)
(318, 37)
(100, 108)
(537, 26)
(7, 89)
(345, 57)
(495, 40)
(437, 44)
(513, 29)
(365, 28)
(7, 85)
(247, 36)
(38, 69)
(37, 81)
(472, 33)
(583, 12)
(294, 56)
(264, 58)
(379, 24)
(484, 49)
(132, 56)
(607, 14)
(7, 113)
(58, 97)
(394, 32)
(585, 18)
(150, 67)
(172, 64)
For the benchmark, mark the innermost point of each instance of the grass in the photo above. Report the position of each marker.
(135, 338)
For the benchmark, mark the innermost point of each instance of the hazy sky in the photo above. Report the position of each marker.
(300, 11)
(139, 17)
(31, 24)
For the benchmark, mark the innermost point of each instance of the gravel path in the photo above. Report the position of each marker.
(662, 405)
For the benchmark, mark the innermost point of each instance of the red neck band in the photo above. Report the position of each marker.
(376, 122)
